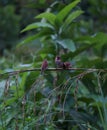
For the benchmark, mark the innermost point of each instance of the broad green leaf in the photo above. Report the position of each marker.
(65, 11)
(88, 62)
(85, 39)
(37, 25)
(71, 17)
(67, 44)
(29, 39)
(43, 33)
(48, 16)
(77, 52)
(99, 39)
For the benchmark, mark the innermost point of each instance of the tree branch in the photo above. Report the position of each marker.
(11, 73)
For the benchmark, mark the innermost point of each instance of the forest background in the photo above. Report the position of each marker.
(64, 99)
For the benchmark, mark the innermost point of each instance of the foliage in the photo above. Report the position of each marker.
(8, 21)
(69, 99)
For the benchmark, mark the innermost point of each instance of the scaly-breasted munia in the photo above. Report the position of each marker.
(44, 66)
(58, 62)
(67, 65)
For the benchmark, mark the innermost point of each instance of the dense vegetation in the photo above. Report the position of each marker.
(74, 99)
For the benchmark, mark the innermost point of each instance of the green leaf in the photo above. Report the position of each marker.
(29, 39)
(77, 52)
(30, 79)
(10, 101)
(67, 44)
(48, 16)
(43, 33)
(65, 11)
(23, 80)
(85, 39)
(71, 17)
(99, 39)
(47, 50)
(87, 99)
(37, 25)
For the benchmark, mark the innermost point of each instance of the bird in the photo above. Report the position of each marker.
(58, 62)
(44, 66)
(67, 65)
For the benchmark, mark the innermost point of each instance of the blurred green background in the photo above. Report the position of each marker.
(17, 14)
(34, 30)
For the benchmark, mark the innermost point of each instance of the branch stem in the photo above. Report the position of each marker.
(11, 73)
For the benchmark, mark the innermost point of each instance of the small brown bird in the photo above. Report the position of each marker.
(44, 66)
(67, 65)
(58, 62)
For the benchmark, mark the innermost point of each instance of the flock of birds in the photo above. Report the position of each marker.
(58, 62)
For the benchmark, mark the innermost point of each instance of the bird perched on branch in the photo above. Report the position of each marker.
(67, 65)
(44, 66)
(58, 62)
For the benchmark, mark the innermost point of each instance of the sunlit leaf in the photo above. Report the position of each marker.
(37, 25)
(71, 17)
(48, 16)
(29, 39)
(67, 44)
(65, 11)
(43, 33)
